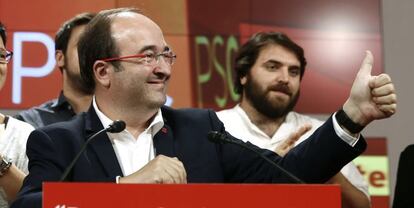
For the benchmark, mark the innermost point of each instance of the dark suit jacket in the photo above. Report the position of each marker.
(403, 195)
(51, 149)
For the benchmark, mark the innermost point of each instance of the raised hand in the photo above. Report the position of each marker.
(289, 142)
(161, 170)
(371, 97)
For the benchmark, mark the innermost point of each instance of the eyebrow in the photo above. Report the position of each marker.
(153, 48)
(273, 61)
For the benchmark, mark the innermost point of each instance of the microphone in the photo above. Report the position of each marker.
(221, 138)
(115, 127)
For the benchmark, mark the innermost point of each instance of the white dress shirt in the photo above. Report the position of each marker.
(132, 153)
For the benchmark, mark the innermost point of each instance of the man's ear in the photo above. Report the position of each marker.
(60, 59)
(101, 70)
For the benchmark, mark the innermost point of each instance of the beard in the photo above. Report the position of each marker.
(265, 104)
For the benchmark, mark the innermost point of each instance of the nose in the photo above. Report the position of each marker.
(162, 69)
(284, 75)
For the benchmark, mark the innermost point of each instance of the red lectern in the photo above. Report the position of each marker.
(102, 195)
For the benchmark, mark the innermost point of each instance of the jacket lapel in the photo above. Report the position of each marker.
(164, 143)
(101, 145)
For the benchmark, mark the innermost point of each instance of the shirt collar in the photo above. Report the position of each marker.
(155, 126)
(248, 123)
(253, 128)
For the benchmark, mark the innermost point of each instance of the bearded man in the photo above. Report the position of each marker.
(269, 69)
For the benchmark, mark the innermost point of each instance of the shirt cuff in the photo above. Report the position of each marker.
(349, 139)
(117, 179)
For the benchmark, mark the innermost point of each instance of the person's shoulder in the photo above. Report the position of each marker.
(187, 113)
(20, 124)
(60, 135)
(18, 131)
(32, 114)
(192, 118)
(409, 149)
(74, 124)
(226, 112)
(46, 106)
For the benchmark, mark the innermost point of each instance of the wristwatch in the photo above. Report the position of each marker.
(5, 164)
(348, 123)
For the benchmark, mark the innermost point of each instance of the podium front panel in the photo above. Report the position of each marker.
(81, 195)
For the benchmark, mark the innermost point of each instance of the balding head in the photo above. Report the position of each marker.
(98, 43)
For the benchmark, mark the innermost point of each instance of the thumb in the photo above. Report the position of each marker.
(366, 66)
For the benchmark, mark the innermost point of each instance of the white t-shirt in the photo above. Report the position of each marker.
(238, 124)
(13, 140)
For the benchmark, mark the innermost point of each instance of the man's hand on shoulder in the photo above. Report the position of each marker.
(289, 142)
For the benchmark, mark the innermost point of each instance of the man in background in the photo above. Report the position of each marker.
(269, 69)
(74, 97)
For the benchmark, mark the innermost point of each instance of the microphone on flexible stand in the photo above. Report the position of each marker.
(115, 127)
(221, 138)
